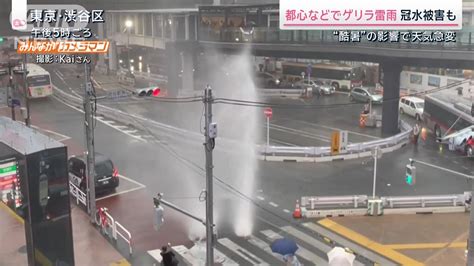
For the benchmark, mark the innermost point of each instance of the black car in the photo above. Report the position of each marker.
(106, 175)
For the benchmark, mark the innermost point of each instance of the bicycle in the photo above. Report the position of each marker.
(101, 220)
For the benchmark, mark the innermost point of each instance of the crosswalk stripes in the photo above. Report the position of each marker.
(255, 249)
(301, 252)
(260, 244)
(310, 240)
(249, 257)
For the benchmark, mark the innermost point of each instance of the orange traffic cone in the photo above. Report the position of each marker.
(297, 211)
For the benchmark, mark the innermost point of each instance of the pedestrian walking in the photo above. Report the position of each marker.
(366, 109)
(291, 260)
(169, 258)
(416, 133)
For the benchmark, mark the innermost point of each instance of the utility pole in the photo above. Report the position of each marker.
(10, 90)
(26, 92)
(210, 133)
(89, 130)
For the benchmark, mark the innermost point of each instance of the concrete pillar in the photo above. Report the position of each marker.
(174, 28)
(113, 67)
(391, 92)
(186, 27)
(173, 69)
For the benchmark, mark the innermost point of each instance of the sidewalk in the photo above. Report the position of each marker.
(13, 251)
(430, 239)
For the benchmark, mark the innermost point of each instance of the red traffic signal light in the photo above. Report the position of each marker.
(153, 91)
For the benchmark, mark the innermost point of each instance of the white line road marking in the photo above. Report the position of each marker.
(61, 136)
(456, 162)
(133, 181)
(306, 238)
(273, 204)
(286, 210)
(283, 142)
(243, 253)
(260, 198)
(59, 73)
(263, 245)
(108, 123)
(131, 131)
(299, 132)
(75, 93)
(119, 193)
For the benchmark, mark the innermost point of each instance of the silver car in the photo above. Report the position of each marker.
(318, 86)
(324, 88)
(365, 95)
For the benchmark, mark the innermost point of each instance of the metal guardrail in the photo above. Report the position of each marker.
(125, 234)
(77, 193)
(424, 201)
(383, 144)
(358, 204)
(355, 201)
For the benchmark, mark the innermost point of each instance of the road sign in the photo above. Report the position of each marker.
(343, 140)
(335, 142)
(268, 112)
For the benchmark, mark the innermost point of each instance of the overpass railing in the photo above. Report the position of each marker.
(464, 40)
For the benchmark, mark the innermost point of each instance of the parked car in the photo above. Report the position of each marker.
(412, 106)
(317, 85)
(106, 175)
(266, 80)
(365, 95)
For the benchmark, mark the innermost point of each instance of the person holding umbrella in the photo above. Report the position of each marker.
(287, 248)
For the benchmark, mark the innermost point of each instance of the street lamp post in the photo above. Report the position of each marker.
(128, 25)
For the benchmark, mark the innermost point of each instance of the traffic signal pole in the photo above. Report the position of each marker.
(470, 243)
(208, 147)
(89, 131)
(26, 92)
(10, 90)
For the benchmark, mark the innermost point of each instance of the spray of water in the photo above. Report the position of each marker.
(238, 161)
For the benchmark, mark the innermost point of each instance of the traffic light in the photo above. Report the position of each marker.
(158, 220)
(152, 91)
(410, 174)
(2, 39)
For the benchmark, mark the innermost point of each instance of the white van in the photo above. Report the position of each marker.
(412, 106)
